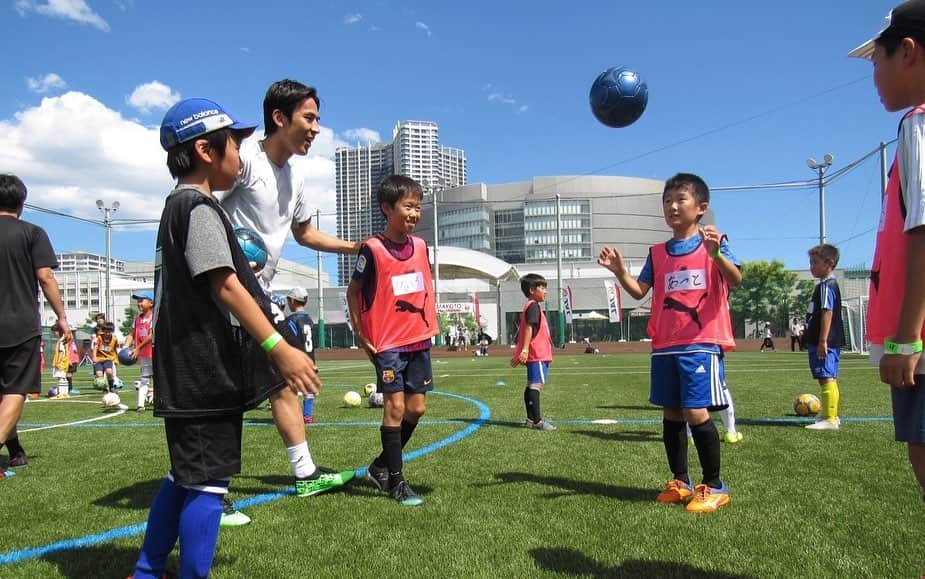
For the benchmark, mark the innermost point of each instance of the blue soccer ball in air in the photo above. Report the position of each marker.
(618, 97)
(255, 250)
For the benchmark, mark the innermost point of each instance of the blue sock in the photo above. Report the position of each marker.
(199, 525)
(162, 532)
(308, 406)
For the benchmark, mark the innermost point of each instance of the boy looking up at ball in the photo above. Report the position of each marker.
(216, 352)
(392, 309)
(690, 276)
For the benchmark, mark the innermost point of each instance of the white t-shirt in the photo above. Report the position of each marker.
(267, 199)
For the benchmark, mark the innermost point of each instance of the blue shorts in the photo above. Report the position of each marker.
(537, 372)
(102, 366)
(408, 372)
(827, 368)
(694, 379)
(909, 411)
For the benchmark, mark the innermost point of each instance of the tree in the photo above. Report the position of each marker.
(768, 293)
(126, 328)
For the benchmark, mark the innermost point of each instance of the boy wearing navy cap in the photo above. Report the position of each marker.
(211, 319)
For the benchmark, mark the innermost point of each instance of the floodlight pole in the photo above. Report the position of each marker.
(559, 270)
(321, 340)
(439, 340)
(820, 169)
(107, 223)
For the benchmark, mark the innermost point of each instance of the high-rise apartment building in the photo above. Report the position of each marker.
(415, 152)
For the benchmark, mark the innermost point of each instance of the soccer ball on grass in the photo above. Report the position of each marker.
(352, 399)
(369, 389)
(376, 400)
(806, 405)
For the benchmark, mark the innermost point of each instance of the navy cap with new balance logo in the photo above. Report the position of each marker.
(192, 118)
(906, 20)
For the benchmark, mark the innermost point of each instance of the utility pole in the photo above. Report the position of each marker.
(820, 169)
(107, 223)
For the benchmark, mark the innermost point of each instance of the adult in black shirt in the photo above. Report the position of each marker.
(26, 263)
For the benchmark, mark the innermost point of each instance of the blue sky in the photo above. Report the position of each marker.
(739, 92)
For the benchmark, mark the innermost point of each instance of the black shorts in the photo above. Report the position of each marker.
(21, 368)
(204, 448)
(72, 369)
(408, 372)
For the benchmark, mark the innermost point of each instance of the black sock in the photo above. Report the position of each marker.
(111, 381)
(12, 444)
(70, 382)
(407, 429)
(706, 439)
(674, 435)
(391, 448)
(532, 402)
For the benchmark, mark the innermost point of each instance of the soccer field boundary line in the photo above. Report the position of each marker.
(106, 416)
(21, 555)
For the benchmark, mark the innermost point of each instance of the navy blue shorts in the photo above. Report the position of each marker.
(102, 366)
(408, 372)
(537, 372)
(693, 379)
(909, 411)
(827, 368)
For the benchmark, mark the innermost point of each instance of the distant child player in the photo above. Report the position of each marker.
(105, 355)
(300, 324)
(392, 309)
(534, 348)
(211, 321)
(690, 276)
(140, 341)
(825, 333)
(896, 315)
(61, 362)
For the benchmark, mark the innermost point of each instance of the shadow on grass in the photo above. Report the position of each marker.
(110, 560)
(502, 423)
(572, 562)
(630, 407)
(279, 483)
(573, 487)
(628, 436)
(136, 496)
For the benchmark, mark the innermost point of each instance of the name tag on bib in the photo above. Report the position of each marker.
(686, 279)
(408, 283)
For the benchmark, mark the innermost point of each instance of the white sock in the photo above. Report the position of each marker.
(687, 427)
(142, 394)
(301, 460)
(63, 387)
(728, 416)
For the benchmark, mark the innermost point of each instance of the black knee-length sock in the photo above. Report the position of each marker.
(532, 402)
(674, 435)
(706, 439)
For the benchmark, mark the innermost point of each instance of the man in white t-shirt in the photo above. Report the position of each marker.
(269, 198)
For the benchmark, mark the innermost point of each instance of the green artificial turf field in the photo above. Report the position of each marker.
(501, 500)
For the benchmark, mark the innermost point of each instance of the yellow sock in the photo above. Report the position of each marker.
(830, 400)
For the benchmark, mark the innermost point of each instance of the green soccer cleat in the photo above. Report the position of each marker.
(232, 517)
(321, 482)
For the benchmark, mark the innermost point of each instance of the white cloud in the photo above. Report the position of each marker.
(353, 18)
(494, 95)
(152, 96)
(422, 26)
(76, 10)
(71, 150)
(362, 136)
(49, 82)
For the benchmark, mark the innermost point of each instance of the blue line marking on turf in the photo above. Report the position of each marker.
(131, 530)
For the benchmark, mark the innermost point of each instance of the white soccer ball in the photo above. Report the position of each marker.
(376, 400)
(352, 399)
(369, 389)
(111, 400)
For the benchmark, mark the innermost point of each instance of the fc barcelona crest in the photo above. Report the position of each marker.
(388, 376)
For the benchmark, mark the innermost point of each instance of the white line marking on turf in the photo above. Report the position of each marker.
(94, 419)
(604, 421)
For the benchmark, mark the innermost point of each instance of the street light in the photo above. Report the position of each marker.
(107, 223)
(820, 168)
